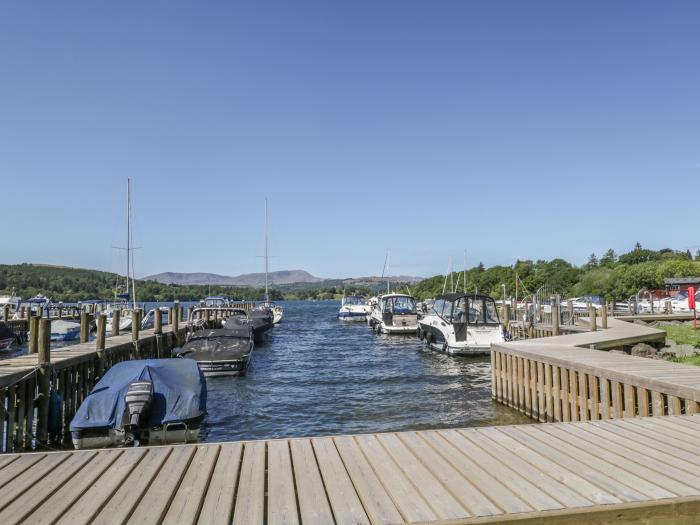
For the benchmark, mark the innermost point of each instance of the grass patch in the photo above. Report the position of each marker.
(694, 360)
(682, 334)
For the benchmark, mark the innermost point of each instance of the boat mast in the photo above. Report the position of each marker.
(129, 248)
(128, 236)
(267, 297)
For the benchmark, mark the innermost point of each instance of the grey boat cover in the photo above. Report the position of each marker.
(218, 345)
(179, 393)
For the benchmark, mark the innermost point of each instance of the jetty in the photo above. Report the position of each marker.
(588, 472)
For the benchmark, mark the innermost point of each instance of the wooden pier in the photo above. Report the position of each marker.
(593, 472)
(567, 378)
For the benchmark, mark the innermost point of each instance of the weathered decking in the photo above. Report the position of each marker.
(596, 471)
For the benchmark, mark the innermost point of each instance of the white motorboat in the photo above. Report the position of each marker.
(9, 300)
(277, 311)
(353, 308)
(462, 324)
(124, 321)
(394, 313)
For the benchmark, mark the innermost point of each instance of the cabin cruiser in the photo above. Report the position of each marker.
(462, 324)
(260, 321)
(220, 352)
(394, 313)
(151, 401)
(277, 311)
(353, 308)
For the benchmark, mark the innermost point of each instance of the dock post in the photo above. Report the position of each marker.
(592, 316)
(189, 313)
(176, 322)
(33, 327)
(555, 317)
(135, 325)
(570, 309)
(84, 326)
(23, 313)
(613, 307)
(506, 315)
(669, 307)
(604, 319)
(116, 319)
(44, 372)
(100, 342)
(157, 321)
(207, 317)
(6, 313)
(170, 315)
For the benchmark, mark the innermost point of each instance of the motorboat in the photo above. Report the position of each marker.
(151, 401)
(39, 304)
(9, 300)
(220, 352)
(353, 308)
(277, 311)
(64, 331)
(260, 321)
(7, 337)
(394, 313)
(124, 320)
(149, 320)
(215, 301)
(462, 324)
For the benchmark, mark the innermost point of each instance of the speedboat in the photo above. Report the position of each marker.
(353, 308)
(62, 330)
(151, 401)
(149, 320)
(7, 337)
(37, 304)
(260, 321)
(277, 311)
(462, 324)
(394, 313)
(220, 352)
(124, 320)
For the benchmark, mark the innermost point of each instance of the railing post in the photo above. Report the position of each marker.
(84, 326)
(44, 373)
(592, 316)
(555, 317)
(116, 319)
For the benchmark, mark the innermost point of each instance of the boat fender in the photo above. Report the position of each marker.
(54, 422)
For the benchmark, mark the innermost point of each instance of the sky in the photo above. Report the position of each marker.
(508, 129)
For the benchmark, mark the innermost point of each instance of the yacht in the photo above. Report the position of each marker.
(462, 324)
(394, 313)
(353, 308)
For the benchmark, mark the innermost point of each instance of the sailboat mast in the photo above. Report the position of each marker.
(267, 297)
(130, 249)
(128, 236)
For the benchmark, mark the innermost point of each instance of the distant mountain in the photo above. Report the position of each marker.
(249, 279)
(365, 281)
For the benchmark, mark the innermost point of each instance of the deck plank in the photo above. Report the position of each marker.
(281, 497)
(250, 502)
(314, 507)
(30, 477)
(15, 468)
(189, 498)
(217, 508)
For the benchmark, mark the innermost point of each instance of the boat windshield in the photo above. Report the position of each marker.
(215, 301)
(399, 305)
(479, 310)
(352, 299)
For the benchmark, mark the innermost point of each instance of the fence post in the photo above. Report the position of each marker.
(591, 314)
(44, 372)
(84, 326)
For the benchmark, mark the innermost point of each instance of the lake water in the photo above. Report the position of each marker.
(316, 375)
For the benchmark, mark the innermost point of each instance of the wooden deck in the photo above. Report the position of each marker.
(592, 472)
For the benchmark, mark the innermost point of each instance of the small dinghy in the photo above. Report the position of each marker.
(260, 321)
(151, 401)
(220, 352)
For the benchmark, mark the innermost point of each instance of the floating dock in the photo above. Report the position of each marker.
(589, 472)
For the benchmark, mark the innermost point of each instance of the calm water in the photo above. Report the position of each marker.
(316, 375)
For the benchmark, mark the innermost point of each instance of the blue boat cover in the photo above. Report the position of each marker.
(179, 393)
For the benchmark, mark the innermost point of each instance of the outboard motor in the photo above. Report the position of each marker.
(138, 399)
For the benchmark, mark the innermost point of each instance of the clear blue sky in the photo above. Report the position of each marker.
(512, 129)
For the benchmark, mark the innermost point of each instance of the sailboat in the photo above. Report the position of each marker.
(277, 311)
(125, 319)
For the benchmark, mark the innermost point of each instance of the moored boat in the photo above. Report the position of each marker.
(153, 401)
(462, 324)
(394, 313)
(353, 308)
(260, 321)
(221, 351)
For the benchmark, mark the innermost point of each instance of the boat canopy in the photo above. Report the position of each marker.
(398, 304)
(179, 393)
(466, 308)
(353, 299)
